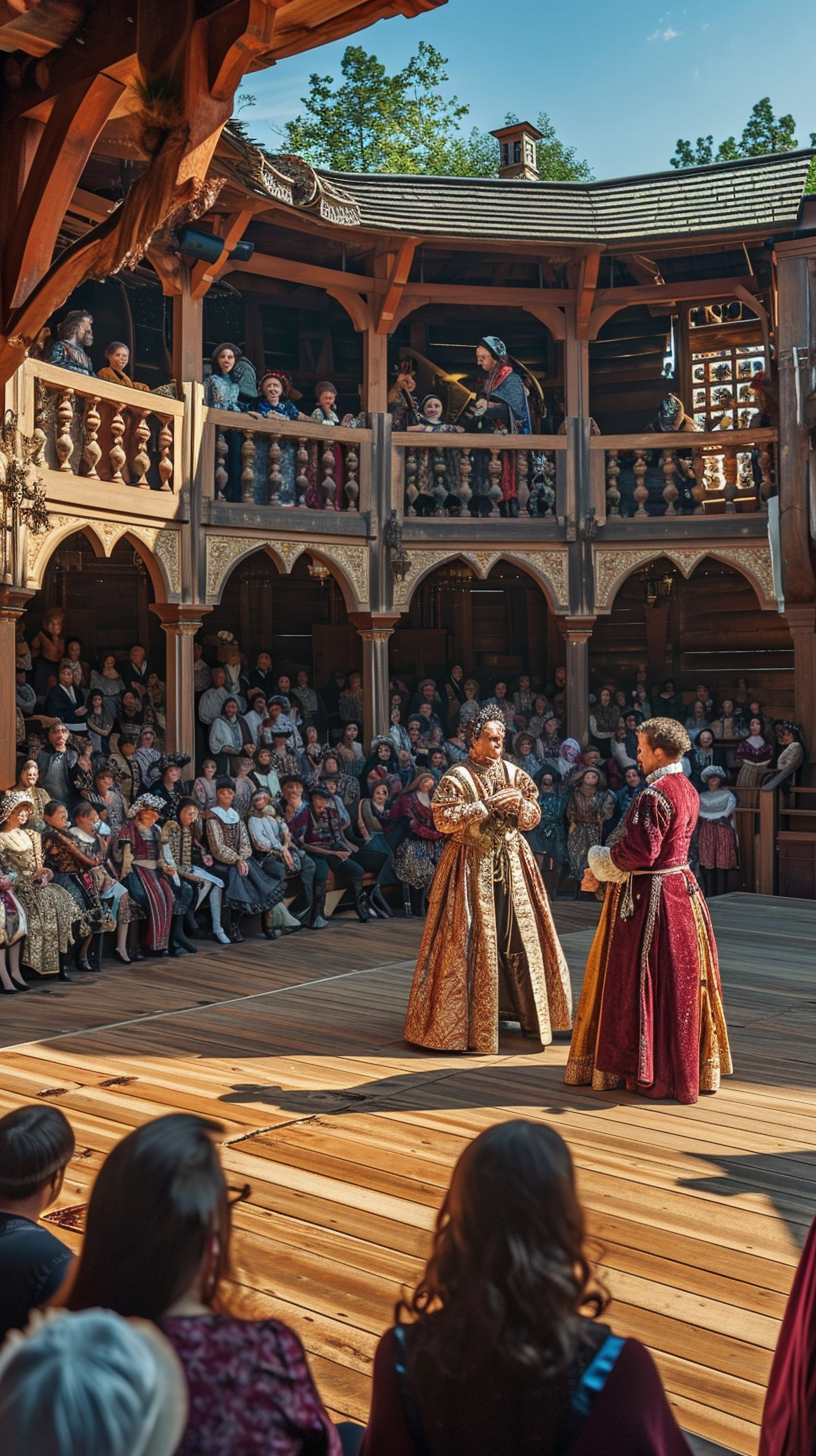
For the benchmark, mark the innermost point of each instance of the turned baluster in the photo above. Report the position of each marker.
(352, 485)
(141, 459)
(639, 469)
(494, 470)
(465, 467)
(411, 468)
(63, 443)
(93, 450)
(38, 434)
(221, 473)
(328, 484)
(613, 495)
(116, 454)
(670, 491)
(248, 467)
(698, 466)
(165, 452)
(730, 473)
(440, 489)
(273, 470)
(302, 472)
(523, 482)
(764, 463)
(548, 488)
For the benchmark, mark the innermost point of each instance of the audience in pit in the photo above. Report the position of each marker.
(364, 828)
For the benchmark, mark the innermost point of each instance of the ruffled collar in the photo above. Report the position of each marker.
(662, 773)
(227, 816)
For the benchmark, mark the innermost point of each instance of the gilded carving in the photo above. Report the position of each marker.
(421, 562)
(36, 545)
(549, 566)
(613, 565)
(552, 567)
(168, 550)
(224, 551)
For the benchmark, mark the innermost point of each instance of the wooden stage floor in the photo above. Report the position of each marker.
(347, 1137)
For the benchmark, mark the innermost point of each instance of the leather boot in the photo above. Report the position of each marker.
(95, 953)
(179, 943)
(317, 920)
(378, 901)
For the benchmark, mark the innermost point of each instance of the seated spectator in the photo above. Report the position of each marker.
(697, 719)
(604, 717)
(36, 1146)
(325, 840)
(640, 701)
(136, 671)
(130, 713)
(108, 680)
(91, 1384)
(273, 849)
(568, 756)
(753, 755)
(32, 905)
(147, 758)
(226, 738)
(620, 748)
(632, 782)
(703, 755)
(315, 871)
(498, 1352)
(244, 787)
(310, 703)
(702, 695)
(249, 1383)
(418, 854)
(350, 702)
(437, 761)
(252, 720)
(28, 783)
(470, 704)
(204, 786)
(670, 703)
(456, 748)
(728, 723)
(170, 787)
(539, 716)
(56, 764)
(548, 746)
(247, 890)
(589, 806)
(25, 696)
(212, 701)
(790, 748)
(100, 721)
(195, 866)
(264, 775)
(502, 703)
(548, 840)
(426, 693)
(523, 697)
(524, 754)
(261, 675)
(312, 748)
(283, 758)
(348, 786)
(349, 750)
(454, 695)
(110, 802)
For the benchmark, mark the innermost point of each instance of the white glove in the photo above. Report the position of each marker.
(603, 866)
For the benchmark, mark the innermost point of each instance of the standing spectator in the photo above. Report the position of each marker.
(65, 702)
(350, 702)
(214, 698)
(261, 675)
(226, 737)
(589, 806)
(136, 670)
(36, 1146)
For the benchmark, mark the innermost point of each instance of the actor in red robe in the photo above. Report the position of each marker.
(651, 1016)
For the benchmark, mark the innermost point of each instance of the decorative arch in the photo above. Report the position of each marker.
(614, 565)
(159, 548)
(348, 563)
(547, 568)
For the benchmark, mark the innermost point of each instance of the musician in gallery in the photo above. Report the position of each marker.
(490, 948)
(651, 1016)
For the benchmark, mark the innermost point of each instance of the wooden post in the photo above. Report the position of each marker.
(802, 623)
(577, 632)
(188, 325)
(13, 602)
(375, 371)
(180, 623)
(375, 631)
(793, 342)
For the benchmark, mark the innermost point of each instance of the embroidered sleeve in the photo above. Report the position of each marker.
(244, 845)
(219, 848)
(530, 810)
(451, 810)
(646, 827)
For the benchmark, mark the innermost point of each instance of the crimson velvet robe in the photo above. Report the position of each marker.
(650, 1016)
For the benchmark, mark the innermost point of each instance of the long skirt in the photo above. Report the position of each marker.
(51, 914)
(252, 893)
(152, 892)
(716, 846)
(579, 842)
(415, 861)
(95, 914)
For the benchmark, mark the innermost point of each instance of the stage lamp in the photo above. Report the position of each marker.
(208, 248)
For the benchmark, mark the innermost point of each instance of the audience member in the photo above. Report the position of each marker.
(36, 1146)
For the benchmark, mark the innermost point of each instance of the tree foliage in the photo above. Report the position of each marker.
(762, 133)
(370, 121)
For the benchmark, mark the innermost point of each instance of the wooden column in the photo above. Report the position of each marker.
(375, 631)
(802, 624)
(180, 623)
(188, 333)
(577, 632)
(13, 602)
(375, 371)
(797, 296)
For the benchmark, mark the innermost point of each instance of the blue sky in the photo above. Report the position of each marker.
(621, 82)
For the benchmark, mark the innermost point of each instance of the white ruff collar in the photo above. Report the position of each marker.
(227, 816)
(661, 773)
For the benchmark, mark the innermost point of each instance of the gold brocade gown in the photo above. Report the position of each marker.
(50, 911)
(490, 947)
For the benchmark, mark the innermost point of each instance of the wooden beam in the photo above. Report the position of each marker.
(694, 291)
(292, 272)
(397, 279)
(356, 307)
(551, 316)
(231, 230)
(480, 294)
(60, 159)
(587, 284)
(239, 34)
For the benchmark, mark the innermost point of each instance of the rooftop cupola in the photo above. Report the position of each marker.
(518, 150)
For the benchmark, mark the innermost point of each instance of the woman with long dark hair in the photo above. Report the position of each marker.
(498, 1351)
(157, 1247)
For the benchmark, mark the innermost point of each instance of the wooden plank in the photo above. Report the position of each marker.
(347, 1138)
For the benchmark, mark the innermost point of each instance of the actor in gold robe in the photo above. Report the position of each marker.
(490, 949)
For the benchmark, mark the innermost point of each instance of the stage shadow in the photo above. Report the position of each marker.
(776, 1175)
(450, 1088)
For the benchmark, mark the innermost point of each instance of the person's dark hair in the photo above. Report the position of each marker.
(224, 782)
(83, 811)
(185, 803)
(71, 322)
(501, 1296)
(36, 1143)
(488, 714)
(666, 733)
(50, 809)
(158, 1198)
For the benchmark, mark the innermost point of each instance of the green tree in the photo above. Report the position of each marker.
(407, 122)
(763, 133)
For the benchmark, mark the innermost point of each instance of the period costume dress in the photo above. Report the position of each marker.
(287, 488)
(754, 758)
(651, 1015)
(490, 946)
(67, 857)
(139, 853)
(50, 912)
(228, 841)
(418, 854)
(716, 832)
(584, 811)
(549, 837)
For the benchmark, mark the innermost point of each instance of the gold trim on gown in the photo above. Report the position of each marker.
(463, 976)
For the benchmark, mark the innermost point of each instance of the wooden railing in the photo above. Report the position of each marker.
(102, 432)
(721, 472)
(477, 475)
(299, 464)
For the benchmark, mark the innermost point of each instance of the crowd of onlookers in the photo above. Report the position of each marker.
(284, 805)
(145, 1344)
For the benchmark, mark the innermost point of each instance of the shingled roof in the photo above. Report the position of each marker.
(758, 192)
